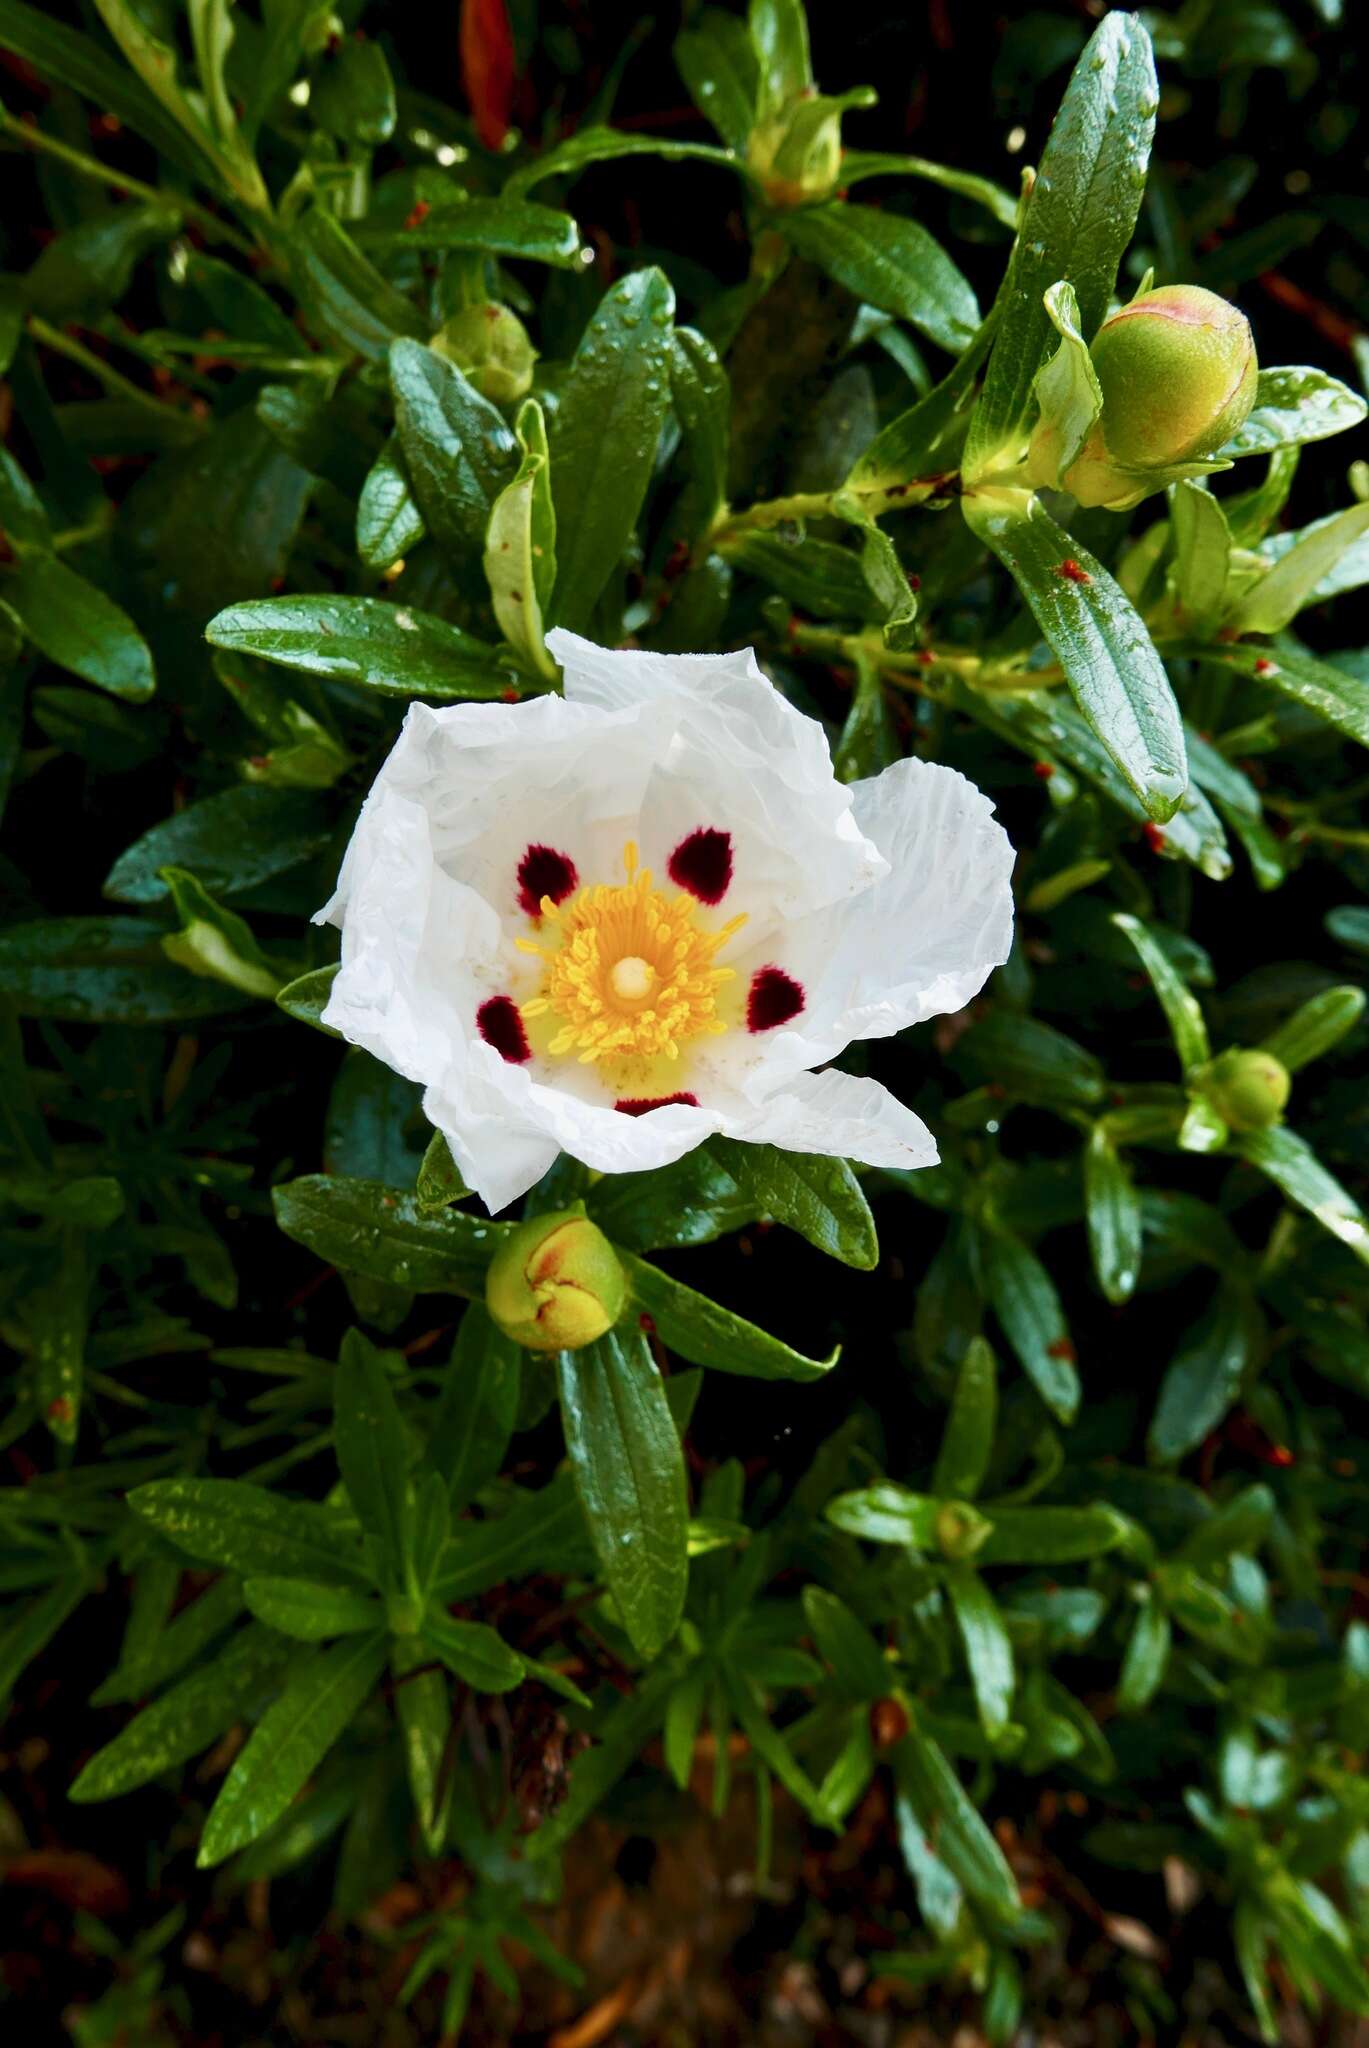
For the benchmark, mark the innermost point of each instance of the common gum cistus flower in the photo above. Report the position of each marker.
(616, 922)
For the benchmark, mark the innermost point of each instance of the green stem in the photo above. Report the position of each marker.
(119, 181)
(772, 512)
(76, 352)
(906, 670)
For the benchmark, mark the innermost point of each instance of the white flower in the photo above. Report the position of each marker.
(617, 922)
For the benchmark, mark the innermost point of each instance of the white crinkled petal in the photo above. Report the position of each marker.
(843, 1116)
(921, 942)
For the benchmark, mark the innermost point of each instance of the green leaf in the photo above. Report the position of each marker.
(1179, 1004)
(888, 1513)
(815, 575)
(231, 843)
(1332, 693)
(859, 164)
(619, 373)
(596, 145)
(1113, 1214)
(306, 998)
(1299, 1175)
(717, 61)
(1316, 1026)
(94, 970)
(79, 628)
(820, 1198)
(1039, 1536)
(243, 1528)
(1076, 223)
(778, 31)
(473, 1652)
(458, 451)
(542, 1531)
(82, 273)
(947, 1816)
(439, 1181)
(344, 297)
(868, 743)
(67, 58)
(1202, 554)
(311, 1612)
(1027, 1306)
(1203, 1380)
(353, 93)
(1110, 663)
(1147, 1655)
(629, 1469)
(967, 1440)
(155, 62)
(701, 397)
(478, 1407)
(239, 305)
(693, 1201)
(860, 1669)
(889, 262)
(1281, 593)
(187, 1719)
(988, 1651)
(520, 545)
(496, 227)
(216, 942)
(1293, 406)
(372, 1452)
(423, 1702)
(706, 1333)
(1033, 1060)
(386, 647)
(1065, 389)
(321, 1697)
(389, 522)
(371, 1229)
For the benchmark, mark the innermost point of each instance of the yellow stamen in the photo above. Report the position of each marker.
(629, 975)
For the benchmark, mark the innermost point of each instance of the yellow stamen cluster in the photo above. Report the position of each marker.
(628, 972)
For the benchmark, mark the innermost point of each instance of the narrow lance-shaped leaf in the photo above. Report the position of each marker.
(458, 450)
(1297, 1172)
(1076, 223)
(1177, 1000)
(629, 1470)
(1292, 406)
(1113, 1214)
(620, 376)
(1332, 693)
(386, 647)
(296, 1732)
(1110, 663)
(371, 1449)
(967, 1441)
(988, 1651)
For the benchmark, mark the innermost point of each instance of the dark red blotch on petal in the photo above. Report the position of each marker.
(638, 1105)
(702, 863)
(500, 1025)
(773, 999)
(544, 872)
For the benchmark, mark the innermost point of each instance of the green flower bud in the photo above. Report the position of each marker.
(556, 1283)
(960, 1529)
(1177, 371)
(1248, 1089)
(797, 154)
(490, 345)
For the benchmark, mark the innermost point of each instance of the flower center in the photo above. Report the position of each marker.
(628, 974)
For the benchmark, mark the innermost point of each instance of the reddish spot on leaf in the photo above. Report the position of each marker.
(500, 1025)
(638, 1105)
(1071, 572)
(1043, 770)
(702, 864)
(61, 1409)
(544, 872)
(1265, 667)
(487, 67)
(417, 214)
(1062, 1348)
(774, 998)
(1154, 838)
